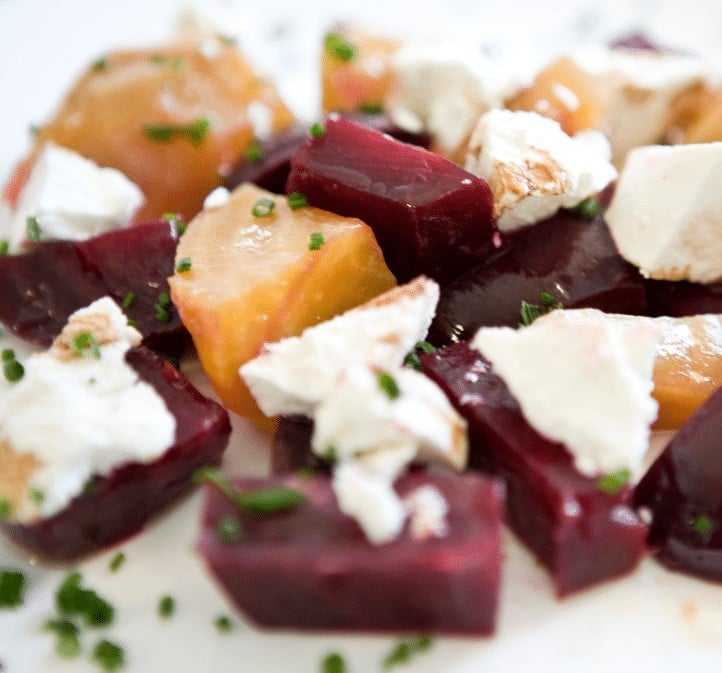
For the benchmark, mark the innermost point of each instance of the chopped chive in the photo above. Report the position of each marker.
(35, 130)
(109, 656)
(6, 508)
(703, 525)
(371, 108)
(614, 482)
(228, 530)
(254, 153)
(72, 599)
(101, 64)
(338, 46)
(67, 644)
(263, 207)
(530, 312)
(297, 200)
(333, 662)
(388, 385)
(317, 130)
(546, 299)
(84, 345)
(259, 501)
(176, 63)
(128, 300)
(316, 241)
(163, 308)
(8, 355)
(184, 265)
(405, 650)
(36, 495)
(132, 323)
(117, 561)
(194, 132)
(412, 359)
(330, 455)
(223, 623)
(13, 371)
(12, 588)
(33, 232)
(176, 220)
(587, 209)
(166, 606)
(4, 248)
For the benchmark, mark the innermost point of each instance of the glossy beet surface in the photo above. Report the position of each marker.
(118, 505)
(39, 290)
(429, 216)
(581, 534)
(681, 298)
(269, 168)
(684, 491)
(311, 567)
(572, 259)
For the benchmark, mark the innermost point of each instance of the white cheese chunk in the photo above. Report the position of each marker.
(666, 213)
(295, 374)
(360, 417)
(443, 86)
(427, 509)
(584, 379)
(533, 167)
(72, 198)
(80, 416)
(218, 198)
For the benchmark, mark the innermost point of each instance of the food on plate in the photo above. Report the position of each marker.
(41, 288)
(429, 215)
(97, 434)
(311, 568)
(195, 109)
(682, 491)
(264, 268)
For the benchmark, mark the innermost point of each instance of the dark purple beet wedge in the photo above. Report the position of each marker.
(572, 259)
(269, 162)
(291, 447)
(581, 533)
(311, 567)
(40, 289)
(429, 215)
(118, 505)
(683, 489)
(681, 298)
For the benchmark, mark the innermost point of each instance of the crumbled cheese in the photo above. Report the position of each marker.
(533, 167)
(218, 198)
(444, 85)
(666, 214)
(72, 198)
(295, 374)
(359, 418)
(582, 378)
(427, 509)
(82, 416)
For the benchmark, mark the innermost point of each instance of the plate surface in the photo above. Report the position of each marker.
(651, 622)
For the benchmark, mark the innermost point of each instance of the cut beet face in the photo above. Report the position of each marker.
(39, 290)
(312, 568)
(572, 259)
(429, 215)
(680, 298)
(580, 533)
(683, 489)
(291, 447)
(118, 505)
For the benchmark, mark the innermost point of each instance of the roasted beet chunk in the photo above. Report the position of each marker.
(118, 505)
(429, 216)
(291, 447)
(39, 290)
(573, 260)
(582, 534)
(684, 491)
(682, 298)
(312, 568)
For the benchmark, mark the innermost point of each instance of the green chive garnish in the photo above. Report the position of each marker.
(317, 130)
(117, 561)
(194, 133)
(72, 599)
(36, 495)
(177, 221)
(4, 248)
(412, 359)
(405, 650)
(6, 508)
(703, 525)
(128, 300)
(184, 265)
(101, 64)
(339, 47)
(166, 606)
(614, 482)
(176, 63)
(13, 371)
(67, 642)
(8, 355)
(228, 530)
(371, 108)
(12, 588)
(109, 656)
(263, 207)
(388, 385)
(316, 241)
(84, 345)
(333, 663)
(254, 153)
(223, 623)
(587, 209)
(330, 455)
(33, 232)
(530, 312)
(163, 308)
(296, 200)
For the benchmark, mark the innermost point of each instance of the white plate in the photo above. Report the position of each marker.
(651, 622)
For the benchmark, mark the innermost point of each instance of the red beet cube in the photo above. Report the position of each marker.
(429, 215)
(118, 505)
(582, 534)
(312, 568)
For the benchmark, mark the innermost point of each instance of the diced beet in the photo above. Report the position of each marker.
(291, 447)
(684, 491)
(635, 40)
(118, 505)
(429, 215)
(680, 298)
(580, 533)
(40, 289)
(572, 259)
(271, 171)
(311, 568)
